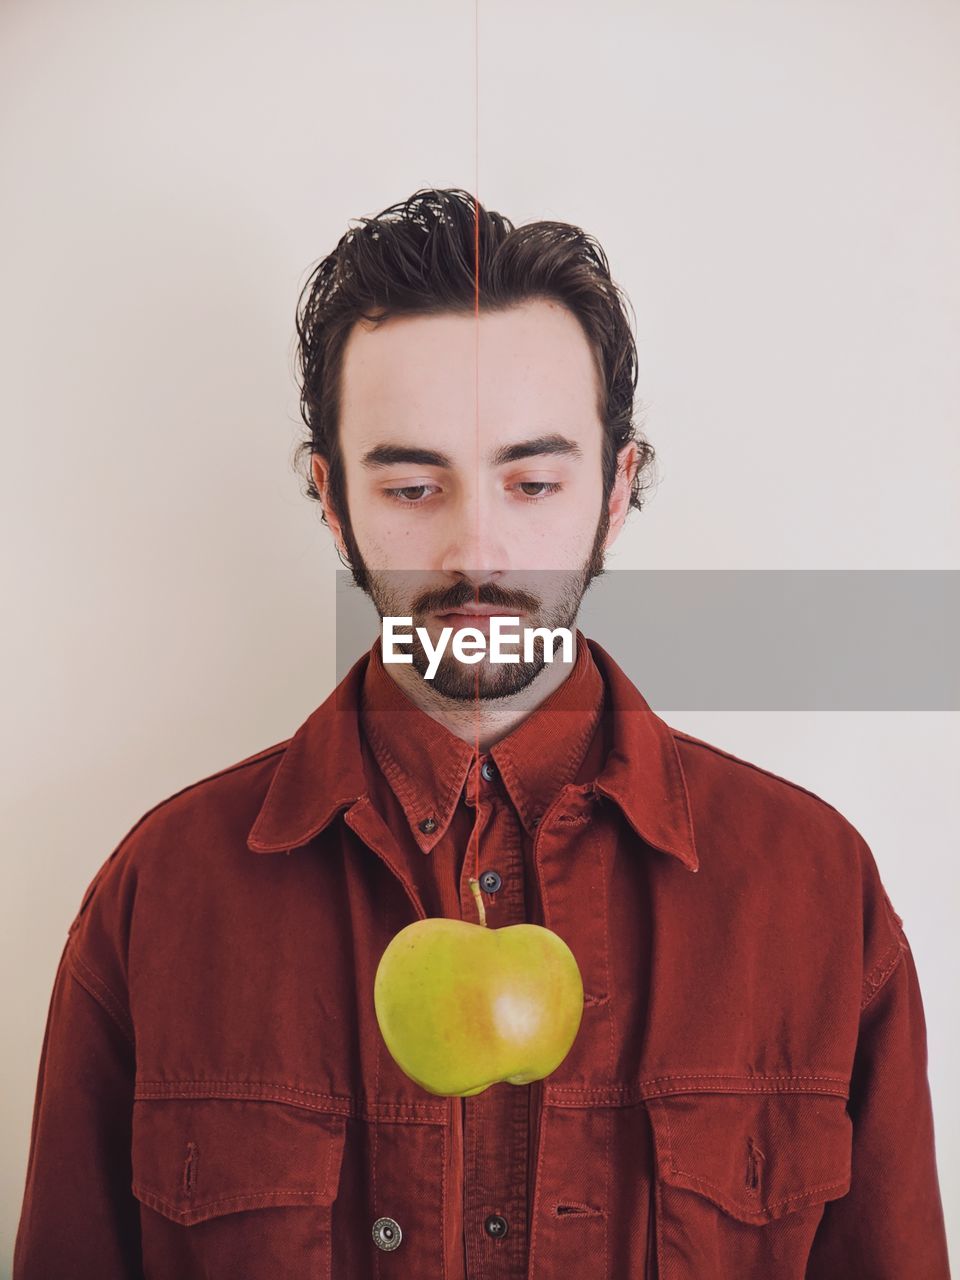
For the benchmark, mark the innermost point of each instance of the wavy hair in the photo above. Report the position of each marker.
(441, 251)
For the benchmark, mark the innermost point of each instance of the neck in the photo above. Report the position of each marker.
(487, 720)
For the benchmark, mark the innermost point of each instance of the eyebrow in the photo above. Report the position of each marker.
(388, 455)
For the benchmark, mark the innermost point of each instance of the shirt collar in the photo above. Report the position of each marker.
(427, 766)
(321, 770)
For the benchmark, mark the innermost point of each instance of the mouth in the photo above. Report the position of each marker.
(479, 620)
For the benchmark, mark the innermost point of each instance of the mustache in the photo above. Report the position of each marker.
(488, 594)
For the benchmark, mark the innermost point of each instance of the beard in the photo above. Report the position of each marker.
(394, 594)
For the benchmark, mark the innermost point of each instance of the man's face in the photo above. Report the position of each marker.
(472, 464)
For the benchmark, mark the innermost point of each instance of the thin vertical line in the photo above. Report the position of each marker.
(476, 312)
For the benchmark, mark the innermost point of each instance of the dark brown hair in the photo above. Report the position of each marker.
(441, 251)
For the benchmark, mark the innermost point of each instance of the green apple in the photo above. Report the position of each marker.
(462, 1006)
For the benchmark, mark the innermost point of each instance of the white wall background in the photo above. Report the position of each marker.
(778, 190)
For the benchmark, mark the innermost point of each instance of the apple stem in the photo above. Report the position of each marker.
(481, 912)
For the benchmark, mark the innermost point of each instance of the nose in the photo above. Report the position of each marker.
(475, 547)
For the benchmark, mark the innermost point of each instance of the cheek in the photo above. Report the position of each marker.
(558, 535)
(540, 551)
(387, 540)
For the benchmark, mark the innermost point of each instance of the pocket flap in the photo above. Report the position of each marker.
(757, 1156)
(198, 1158)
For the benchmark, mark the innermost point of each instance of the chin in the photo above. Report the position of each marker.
(460, 683)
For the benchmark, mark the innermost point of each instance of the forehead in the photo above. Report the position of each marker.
(529, 366)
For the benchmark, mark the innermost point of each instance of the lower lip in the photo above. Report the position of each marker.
(480, 621)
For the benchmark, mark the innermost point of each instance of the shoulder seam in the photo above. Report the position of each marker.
(220, 773)
(879, 975)
(96, 988)
(265, 754)
(757, 768)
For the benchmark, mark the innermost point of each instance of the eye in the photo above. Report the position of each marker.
(401, 497)
(415, 495)
(548, 486)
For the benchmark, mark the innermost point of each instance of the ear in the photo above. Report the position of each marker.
(320, 469)
(619, 503)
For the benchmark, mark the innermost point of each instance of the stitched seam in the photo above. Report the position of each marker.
(608, 1119)
(725, 1202)
(517, 792)
(443, 1200)
(631, 1095)
(515, 789)
(391, 768)
(515, 1198)
(457, 784)
(396, 775)
(375, 1149)
(658, 1200)
(698, 1075)
(598, 1097)
(573, 759)
(240, 1084)
(877, 978)
(98, 989)
(277, 749)
(677, 766)
(721, 1197)
(122, 846)
(538, 1192)
(331, 1147)
(266, 1092)
(245, 1198)
(607, 1129)
(718, 751)
(605, 998)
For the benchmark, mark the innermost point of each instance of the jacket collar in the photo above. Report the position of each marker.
(321, 770)
(428, 767)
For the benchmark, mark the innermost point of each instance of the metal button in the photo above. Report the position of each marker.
(386, 1233)
(428, 825)
(495, 1225)
(490, 881)
(488, 770)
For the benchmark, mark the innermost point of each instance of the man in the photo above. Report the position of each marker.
(746, 1095)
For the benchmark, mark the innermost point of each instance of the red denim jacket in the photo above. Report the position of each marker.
(746, 1098)
(483, 813)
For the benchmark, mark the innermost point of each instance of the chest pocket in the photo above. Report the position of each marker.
(742, 1181)
(235, 1188)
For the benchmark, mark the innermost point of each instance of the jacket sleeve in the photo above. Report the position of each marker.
(890, 1224)
(79, 1217)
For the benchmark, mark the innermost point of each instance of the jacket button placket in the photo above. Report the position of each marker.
(496, 1121)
